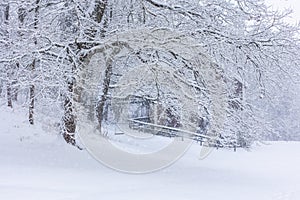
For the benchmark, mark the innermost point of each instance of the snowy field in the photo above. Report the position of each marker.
(36, 164)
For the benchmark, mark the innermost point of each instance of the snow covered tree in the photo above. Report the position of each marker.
(47, 46)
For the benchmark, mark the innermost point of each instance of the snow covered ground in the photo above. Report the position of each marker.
(36, 164)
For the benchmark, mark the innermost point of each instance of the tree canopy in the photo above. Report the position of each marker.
(47, 46)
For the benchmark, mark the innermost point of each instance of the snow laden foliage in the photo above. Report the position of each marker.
(163, 71)
(47, 48)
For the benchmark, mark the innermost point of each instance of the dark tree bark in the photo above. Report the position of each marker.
(8, 90)
(31, 104)
(6, 13)
(98, 16)
(69, 117)
(33, 66)
(101, 103)
(31, 97)
(8, 84)
(99, 10)
(1, 87)
(105, 88)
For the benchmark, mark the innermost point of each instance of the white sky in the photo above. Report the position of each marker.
(282, 4)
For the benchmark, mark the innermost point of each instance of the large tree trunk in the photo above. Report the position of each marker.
(98, 16)
(69, 117)
(33, 66)
(99, 9)
(105, 87)
(101, 103)
(8, 84)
